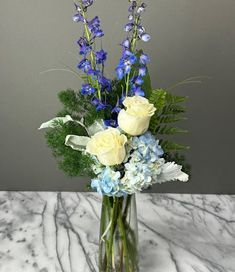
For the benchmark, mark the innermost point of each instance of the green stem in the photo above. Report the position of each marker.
(124, 237)
(114, 215)
(127, 83)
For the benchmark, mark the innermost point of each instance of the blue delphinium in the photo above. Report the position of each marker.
(135, 31)
(92, 63)
(108, 182)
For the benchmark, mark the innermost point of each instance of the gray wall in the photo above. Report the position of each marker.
(189, 38)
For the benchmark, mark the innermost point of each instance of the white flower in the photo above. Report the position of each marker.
(135, 119)
(108, 146)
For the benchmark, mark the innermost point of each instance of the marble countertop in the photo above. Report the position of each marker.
(58, 232)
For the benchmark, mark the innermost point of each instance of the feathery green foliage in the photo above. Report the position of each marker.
(78, 106)
(72, 162)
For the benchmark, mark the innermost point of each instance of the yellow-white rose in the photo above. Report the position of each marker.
(108, 146)
(135, 119)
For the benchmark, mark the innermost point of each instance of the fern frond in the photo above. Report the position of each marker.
(168, 111)
(168, 130)
(169, 146)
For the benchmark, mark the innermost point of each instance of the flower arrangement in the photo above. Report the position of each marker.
(113, 130)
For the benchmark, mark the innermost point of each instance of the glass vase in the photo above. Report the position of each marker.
(118, 241)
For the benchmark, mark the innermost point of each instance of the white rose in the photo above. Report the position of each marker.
(135, 119)
(108, 146)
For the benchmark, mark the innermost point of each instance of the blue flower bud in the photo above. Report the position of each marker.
(145, 37)
(126, 44)
(142, 71)
(129, 27)
(144, 59)
(120, 73)
(87, 3)
(101, 56)
(78, 18)
(77, 7)
(130, 17)
(140, 29)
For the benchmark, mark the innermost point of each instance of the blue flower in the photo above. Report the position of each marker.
(137, 80)
(147, 148)
(136, 90)
(125, 64)
(129, 27)
(105, 83)
(107, 183)
(111, 123)
(94, 27)
(87, 89)
(116, 109)
(145, 37)
(141, 8)
(101, 56)
(87, 3)
(78, 18)
(119, 73)
(144, 59)
(84, 65)
(84, 46)
(132, 6)
(126, 44)
(99, 104)
(142, 71)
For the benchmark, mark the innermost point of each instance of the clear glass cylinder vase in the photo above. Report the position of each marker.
(118, 241)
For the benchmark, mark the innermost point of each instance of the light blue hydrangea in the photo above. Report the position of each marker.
(108, 183)
(146, 148)
(144, 163)
(140, 175)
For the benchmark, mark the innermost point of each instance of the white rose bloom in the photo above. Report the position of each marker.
(135, 119)
(108, 146)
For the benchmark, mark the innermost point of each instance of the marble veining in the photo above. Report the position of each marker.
(58, 232)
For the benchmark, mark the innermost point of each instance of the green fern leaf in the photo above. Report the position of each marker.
(168, 130)
(158, 98)
(169, 146)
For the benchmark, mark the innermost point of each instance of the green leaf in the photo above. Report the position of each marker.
(69, 99)
(171, 119)
(158, 98)
(167, 130)
(168, 110)
(146, 86)
(173, 109)
(173, 99)
(169, 146)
